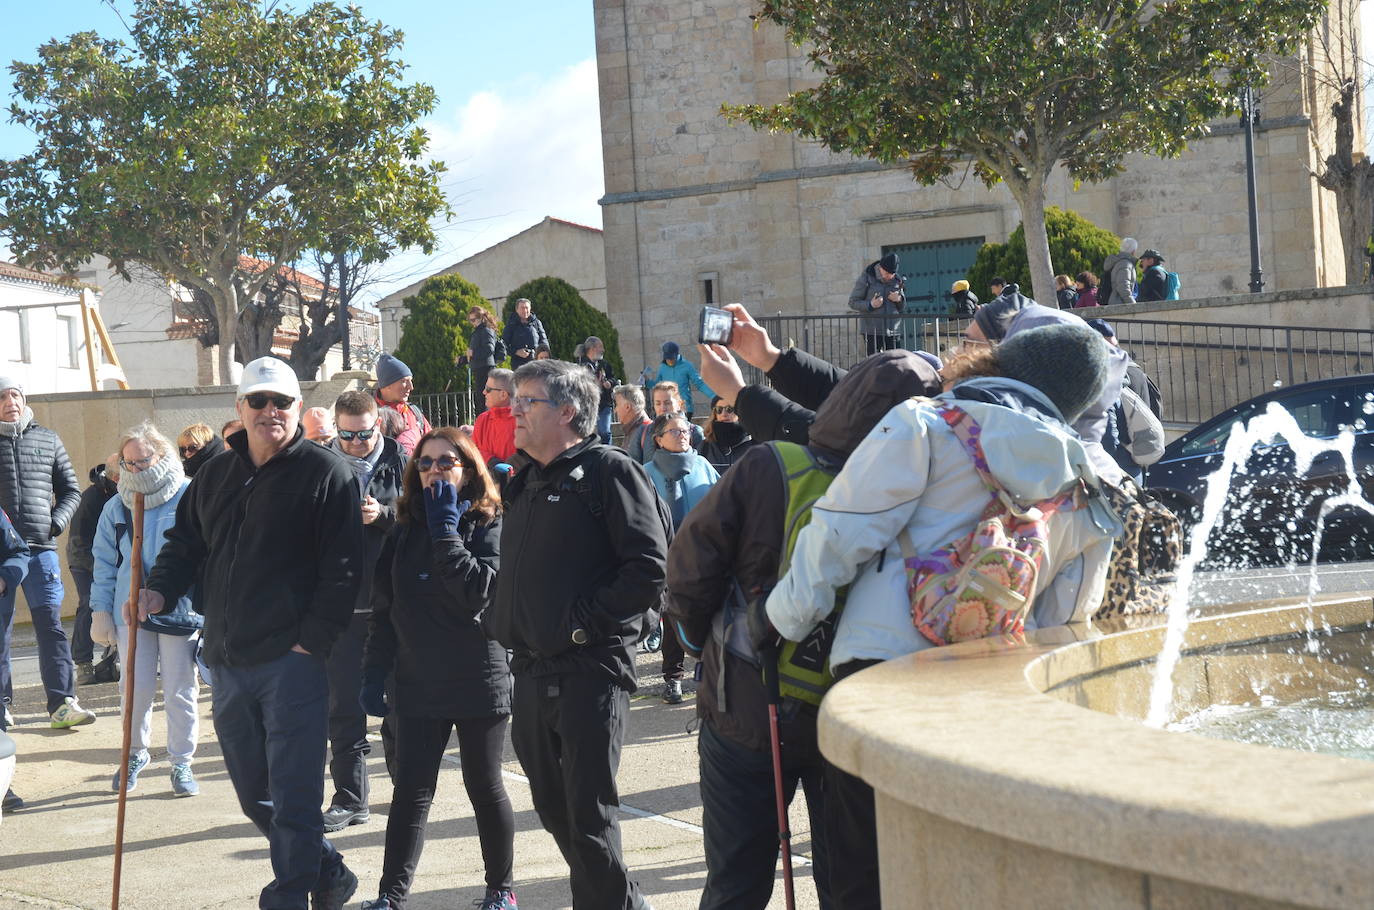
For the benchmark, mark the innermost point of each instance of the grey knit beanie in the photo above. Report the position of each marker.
(389, 370)
(1067, 361)
(9, 382)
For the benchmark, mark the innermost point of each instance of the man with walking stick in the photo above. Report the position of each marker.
(272, 528)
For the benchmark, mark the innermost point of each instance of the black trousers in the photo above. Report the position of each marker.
(420, 744)
(851, 829)
(674, 658)
(740, 819)
(83, 649)
(568, 731)
(479, 382)
(348, 745)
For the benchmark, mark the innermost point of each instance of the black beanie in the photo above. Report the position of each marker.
(890, 262)
(1066, 360)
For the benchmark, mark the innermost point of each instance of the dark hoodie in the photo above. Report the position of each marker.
(736, 534)
(197, 461)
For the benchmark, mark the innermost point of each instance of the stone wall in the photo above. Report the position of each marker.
(91, 423)
(782, 224)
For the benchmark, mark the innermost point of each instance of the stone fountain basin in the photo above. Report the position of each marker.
(1020, 775)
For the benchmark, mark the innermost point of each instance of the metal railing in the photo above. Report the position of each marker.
(445, 409)
(1201, 368)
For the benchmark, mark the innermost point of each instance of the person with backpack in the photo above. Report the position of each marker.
(1154, 279)
(965, 302)
(634, 423)
(486, 350)
(1118, 271)
(731, 548)
(681, 478)
(927, 476)
(678, 370)
(149, 464)
(394, 385)
(584, 544)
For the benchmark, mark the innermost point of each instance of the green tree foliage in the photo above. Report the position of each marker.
(223, 128)
(435, 332)
(1076, 245)
(1013, 88)
(567, 318)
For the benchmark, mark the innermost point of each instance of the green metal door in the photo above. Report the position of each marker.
(930, 269)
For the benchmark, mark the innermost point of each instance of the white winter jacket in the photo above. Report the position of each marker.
(912, 473)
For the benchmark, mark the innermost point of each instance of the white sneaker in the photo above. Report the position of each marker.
(71, 714)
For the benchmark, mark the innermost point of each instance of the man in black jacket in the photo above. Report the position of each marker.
(271, 530)
(80, 562)
(378, 464)
(584, 549)
(39, 492)
(523, 335)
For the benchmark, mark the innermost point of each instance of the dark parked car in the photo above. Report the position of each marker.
(1272, 507)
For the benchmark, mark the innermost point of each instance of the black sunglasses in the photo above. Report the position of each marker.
(350, 435)
(192, 449)
(443, 462)
(725, 409)
(258, 400)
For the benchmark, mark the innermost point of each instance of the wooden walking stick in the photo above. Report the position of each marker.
(135, 585)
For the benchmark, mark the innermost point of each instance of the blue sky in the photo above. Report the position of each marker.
(517, 120)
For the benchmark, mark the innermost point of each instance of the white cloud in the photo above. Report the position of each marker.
(515, 154)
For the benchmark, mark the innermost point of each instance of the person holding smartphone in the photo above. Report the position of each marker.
(879, 293)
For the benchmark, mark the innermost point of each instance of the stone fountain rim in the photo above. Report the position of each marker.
(974, 723)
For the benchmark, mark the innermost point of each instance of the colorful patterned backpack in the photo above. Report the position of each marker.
(983, 584)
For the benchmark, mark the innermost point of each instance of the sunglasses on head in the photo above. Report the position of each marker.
(258, 400)
(350, 435)
(443, 462)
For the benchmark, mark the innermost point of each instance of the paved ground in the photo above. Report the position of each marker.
(201, 853)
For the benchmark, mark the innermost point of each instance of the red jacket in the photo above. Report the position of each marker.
(494, 433)
(416, 424)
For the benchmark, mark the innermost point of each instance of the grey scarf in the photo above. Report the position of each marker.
(158, 482)
(363, 468)
(15, 427)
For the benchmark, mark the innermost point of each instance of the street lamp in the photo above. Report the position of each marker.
(1249, 116)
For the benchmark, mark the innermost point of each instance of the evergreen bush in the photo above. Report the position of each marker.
(435, 332)
(567, 318)
(1076, 245)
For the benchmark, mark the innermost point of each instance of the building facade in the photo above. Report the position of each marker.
(42, 338)
(553, 247)
(700, 210)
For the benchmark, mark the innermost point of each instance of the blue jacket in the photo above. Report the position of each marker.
(111, 549)
(684, 492)
(14, 555)
(685, 375)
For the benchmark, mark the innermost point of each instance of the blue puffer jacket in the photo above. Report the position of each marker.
(14, 555)
(114, 543)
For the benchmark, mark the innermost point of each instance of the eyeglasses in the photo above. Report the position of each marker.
(138, 464)
(725, 409)
(965, 339)
(523, 402)
(350, 435)
(188, 451)
(489, 390)
(676, 432)
(258, 400)
(443, 462)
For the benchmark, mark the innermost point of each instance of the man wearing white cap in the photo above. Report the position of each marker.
(274, 537)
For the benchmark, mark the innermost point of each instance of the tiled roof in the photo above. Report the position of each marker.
(10, 270)
(585, 227)
(305, 280)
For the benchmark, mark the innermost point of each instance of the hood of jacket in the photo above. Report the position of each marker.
(1114, 259)
(864, 395)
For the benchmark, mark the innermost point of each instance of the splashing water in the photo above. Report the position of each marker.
(1274, 422)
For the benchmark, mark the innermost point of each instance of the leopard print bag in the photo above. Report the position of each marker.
(1145, 557)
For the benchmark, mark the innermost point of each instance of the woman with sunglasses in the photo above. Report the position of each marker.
(682, 478)
(197, 444)
(166, 641)
(435, 576)
(725, 440)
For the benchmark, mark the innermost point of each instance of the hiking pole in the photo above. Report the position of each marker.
(769, 658)
(135, 585)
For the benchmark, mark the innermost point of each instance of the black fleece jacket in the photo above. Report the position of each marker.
(427, 603)
(567, 567)
(278, 551)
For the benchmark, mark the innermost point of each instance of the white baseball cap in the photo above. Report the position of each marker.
(269, 374)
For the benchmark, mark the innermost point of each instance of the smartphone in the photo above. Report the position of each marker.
(717, 325)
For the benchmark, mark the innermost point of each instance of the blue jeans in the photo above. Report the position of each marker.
(603, 425)
(43, 593)
(272, 720)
